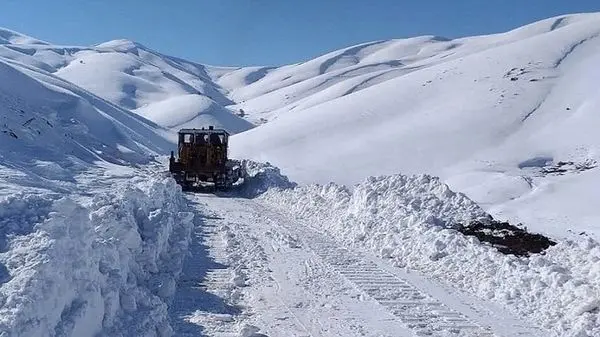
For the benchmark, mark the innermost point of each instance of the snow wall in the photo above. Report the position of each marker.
(410, 220)
(104, 269)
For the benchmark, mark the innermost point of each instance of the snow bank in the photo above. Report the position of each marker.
(104, 269)
(410, 220)
(260, 177)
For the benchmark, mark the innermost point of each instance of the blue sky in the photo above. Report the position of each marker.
(268, 32)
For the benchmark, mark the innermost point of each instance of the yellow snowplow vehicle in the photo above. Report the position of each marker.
(202, 161)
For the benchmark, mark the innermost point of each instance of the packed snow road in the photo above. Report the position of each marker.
(254, 271)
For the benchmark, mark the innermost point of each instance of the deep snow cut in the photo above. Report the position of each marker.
(411, 220)
(509, 119)
(104, 269)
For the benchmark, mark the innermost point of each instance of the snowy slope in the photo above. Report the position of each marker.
(92, 239)
(52, 128)
(132, 77)
(266, 92)
(189, 111)
(485, 115)
(8, 36)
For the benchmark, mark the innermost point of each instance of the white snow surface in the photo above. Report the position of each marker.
(193, 111)
(475, 111)
(92, 244)
(106, 267)
(132, 77)
(409, 220)
(44, 118)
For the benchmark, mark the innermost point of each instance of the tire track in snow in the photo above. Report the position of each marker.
(418, 310)
(290, 291)
(218, 281)
(203, 305)
(415, 307)
(302, 283)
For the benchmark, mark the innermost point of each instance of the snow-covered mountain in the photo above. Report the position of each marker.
(499, 117)
(169, 91)
(50, 128)
(96, 241)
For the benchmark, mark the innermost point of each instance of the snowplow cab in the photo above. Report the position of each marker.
(202, 159)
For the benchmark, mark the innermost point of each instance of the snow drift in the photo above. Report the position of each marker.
(410, 220)
(106, 269)
(260, 177)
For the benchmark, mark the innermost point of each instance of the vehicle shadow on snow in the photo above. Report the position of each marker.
(190, 299)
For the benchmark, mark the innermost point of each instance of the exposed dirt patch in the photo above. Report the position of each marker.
(507, 238)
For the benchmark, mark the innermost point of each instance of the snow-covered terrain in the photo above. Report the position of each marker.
(95, 240)
(491, 115)
(256, 269)
(89, 244)
(410, 221)
(72, 265)
(51, 129)
(171, 92)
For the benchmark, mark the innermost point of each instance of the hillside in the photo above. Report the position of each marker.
(96, 238)
(51, 130)
(132, 77)
(508, 119)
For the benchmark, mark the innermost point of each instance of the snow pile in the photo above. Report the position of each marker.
(104, 269)
(260, 177)
(410, 220)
